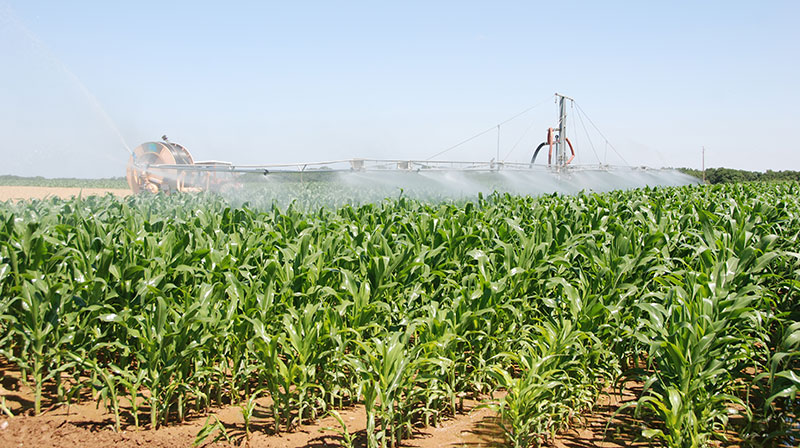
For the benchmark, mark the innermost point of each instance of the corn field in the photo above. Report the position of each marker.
(165, 306)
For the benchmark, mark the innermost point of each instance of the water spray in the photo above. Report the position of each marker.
(8, 16)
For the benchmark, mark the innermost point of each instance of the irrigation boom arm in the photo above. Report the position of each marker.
(168, 166)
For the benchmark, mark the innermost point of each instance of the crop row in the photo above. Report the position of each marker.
(168, 305)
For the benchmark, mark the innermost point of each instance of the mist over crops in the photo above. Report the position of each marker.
(314, 189)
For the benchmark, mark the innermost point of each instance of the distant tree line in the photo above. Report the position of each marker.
(730, 175)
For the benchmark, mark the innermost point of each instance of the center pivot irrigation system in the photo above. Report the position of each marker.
(165, 166)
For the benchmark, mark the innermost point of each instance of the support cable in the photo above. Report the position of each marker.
(603, 135)
(493, 128)
(462, 142)
(524, 134)
(589, 138)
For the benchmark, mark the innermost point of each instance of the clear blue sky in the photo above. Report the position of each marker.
(262, 82)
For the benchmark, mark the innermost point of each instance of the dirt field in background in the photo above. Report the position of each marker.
(15, 193)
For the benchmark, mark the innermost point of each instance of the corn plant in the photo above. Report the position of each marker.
(209, 429)
(385, 375)
(348, 441)
(695, 340)
(782, 384)
(547, 393)
(43, 338)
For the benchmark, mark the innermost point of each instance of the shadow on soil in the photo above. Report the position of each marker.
(486, 433)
